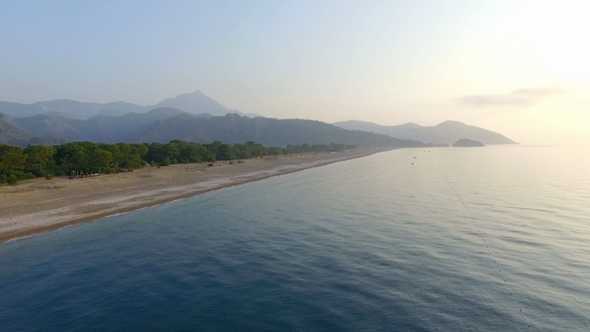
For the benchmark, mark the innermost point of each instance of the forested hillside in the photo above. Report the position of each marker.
(233, 128)
(166, 124)
(102, 128)
(14, 135)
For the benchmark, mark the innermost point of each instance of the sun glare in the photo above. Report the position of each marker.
(562, 38)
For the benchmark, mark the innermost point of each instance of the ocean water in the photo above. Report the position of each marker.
(372, 244)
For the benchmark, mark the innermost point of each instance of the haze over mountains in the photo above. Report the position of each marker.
(195, 117)
(14, 135)
(195, 103)
(165, 124)
(447, 132)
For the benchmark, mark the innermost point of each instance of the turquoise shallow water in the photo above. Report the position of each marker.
(372, 244)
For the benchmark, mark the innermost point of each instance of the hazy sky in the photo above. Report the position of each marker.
(518, 67)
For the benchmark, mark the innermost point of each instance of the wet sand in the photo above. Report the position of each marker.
(38, 206)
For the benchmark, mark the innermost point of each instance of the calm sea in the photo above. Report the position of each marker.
(372, 244)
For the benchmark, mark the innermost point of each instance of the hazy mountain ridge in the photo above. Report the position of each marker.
(195, 103)
(233, 128)
(446, 132)
(196, 117)
(14, 135)
(165, 124)
(102, 128)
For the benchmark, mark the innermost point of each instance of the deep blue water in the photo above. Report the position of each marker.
(372, 244)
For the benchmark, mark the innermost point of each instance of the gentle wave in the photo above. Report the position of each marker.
(374, 244)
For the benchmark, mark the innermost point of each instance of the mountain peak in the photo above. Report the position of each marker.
(450, 122)
(410, 125)
(194, 94)
(195, 103)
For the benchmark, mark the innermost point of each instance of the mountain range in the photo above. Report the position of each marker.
(195, 117)
(165, 124)
(447, 132)
(195, 103)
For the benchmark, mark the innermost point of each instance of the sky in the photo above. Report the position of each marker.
(521, 68)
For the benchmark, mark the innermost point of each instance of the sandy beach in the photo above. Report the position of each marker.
(38, 206)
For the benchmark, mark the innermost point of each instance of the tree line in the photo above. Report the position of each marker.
(35, 161)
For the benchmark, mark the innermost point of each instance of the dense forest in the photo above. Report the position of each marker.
(35, 161)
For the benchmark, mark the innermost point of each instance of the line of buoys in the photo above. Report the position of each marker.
(482, 237)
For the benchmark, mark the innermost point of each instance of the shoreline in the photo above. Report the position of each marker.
(35, 207)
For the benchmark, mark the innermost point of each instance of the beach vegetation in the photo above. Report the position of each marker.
(38, 156)
(12, 179)
(94, 158)
(12, 158)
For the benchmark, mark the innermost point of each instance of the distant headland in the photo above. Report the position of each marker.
(467, 143)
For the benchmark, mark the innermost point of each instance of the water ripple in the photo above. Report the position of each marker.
(375, 244)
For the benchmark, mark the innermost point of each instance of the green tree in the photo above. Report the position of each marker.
(225, 152)
(11, 158)
(71, 156)
(119, 157)
(12, 179)
(38, 157)
(100, 159)
(139, 149)
(274, 151)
